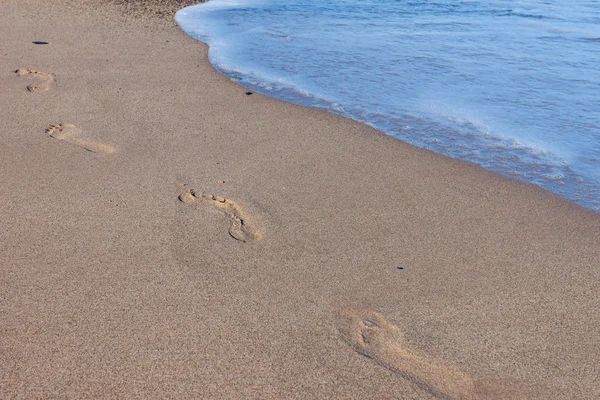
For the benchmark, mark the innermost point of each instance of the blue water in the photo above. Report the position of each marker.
(513, 86)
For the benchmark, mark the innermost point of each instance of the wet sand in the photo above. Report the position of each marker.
(165, 235)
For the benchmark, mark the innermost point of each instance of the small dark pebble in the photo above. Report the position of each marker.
(248, 93)
(400, 267)
(40, 42)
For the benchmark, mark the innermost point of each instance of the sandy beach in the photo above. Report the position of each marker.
(165, 235)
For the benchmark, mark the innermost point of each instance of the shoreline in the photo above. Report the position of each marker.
(114, 287)
(560, 182)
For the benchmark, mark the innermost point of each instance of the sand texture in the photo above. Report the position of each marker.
(163, 235)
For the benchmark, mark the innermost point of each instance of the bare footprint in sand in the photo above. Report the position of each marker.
(70, 133)
(371, 335)
(43, 79)
(241, 226)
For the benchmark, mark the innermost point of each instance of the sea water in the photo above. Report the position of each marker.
(513, 86)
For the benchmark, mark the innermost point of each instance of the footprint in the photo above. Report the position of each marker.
(241, 226)
(371, 335)
(43, 79)
(72, 134)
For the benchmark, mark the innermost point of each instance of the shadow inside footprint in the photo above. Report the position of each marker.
(43, 79)
(70, 133)
(241, 226)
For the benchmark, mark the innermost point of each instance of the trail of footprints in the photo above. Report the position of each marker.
(72, 134)
(367, 332)
(42, 79)
(372, 335)
(241, 225)
(67, 132)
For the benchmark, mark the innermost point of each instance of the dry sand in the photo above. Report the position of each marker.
(163, 235)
